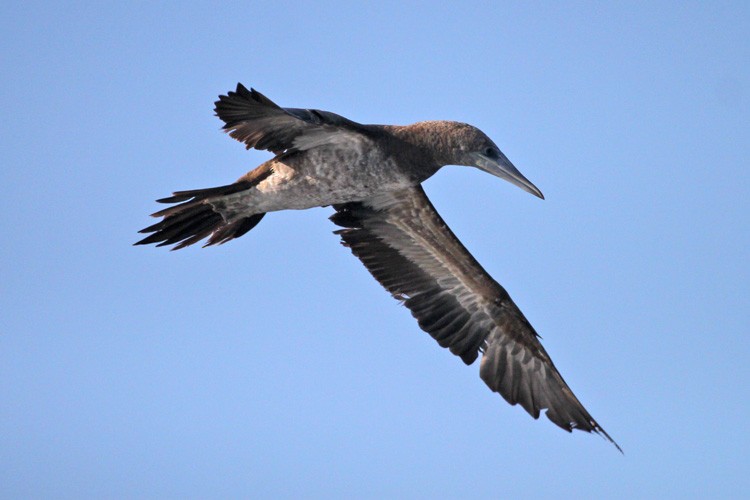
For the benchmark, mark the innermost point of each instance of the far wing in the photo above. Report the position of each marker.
(410, 250)
(254, 119)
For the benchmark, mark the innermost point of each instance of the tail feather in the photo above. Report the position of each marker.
(179, 232)
(180, 209)
(176, 216)
(202, 194)
(195, 218)
(234, 229)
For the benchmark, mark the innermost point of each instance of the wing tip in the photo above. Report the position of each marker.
(241, 89)
(592, 426)
(598, 430)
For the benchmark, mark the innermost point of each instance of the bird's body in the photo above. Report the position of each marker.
(374, 160)
(302, 180)
(372, 175)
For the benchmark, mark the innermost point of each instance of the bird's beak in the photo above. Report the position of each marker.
(503, 168)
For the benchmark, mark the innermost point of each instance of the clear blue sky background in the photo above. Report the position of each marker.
(275, 365)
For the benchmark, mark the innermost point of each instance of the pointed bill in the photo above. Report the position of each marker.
(503, 168)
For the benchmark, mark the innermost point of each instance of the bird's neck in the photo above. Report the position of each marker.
(428, 143)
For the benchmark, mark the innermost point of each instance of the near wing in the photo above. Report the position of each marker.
(410, 250)
(254, 119)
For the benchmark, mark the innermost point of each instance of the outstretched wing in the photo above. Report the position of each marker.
(254, 119)
(410, 250)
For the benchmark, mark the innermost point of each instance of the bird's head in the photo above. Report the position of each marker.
(469, 146)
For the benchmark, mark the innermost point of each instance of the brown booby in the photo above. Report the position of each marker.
(372, 175)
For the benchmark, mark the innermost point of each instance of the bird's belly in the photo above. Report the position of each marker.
(302, 185)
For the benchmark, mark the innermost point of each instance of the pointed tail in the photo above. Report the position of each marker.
(195, 218)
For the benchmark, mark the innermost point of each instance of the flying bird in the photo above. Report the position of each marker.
(371, 175)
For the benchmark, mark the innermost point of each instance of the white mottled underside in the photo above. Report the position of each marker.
(324, 175)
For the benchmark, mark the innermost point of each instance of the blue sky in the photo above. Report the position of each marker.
(275, 366)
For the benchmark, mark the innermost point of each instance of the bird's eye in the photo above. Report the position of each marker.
(491, 153)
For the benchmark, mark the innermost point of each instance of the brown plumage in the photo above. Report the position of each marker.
(372, 175)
